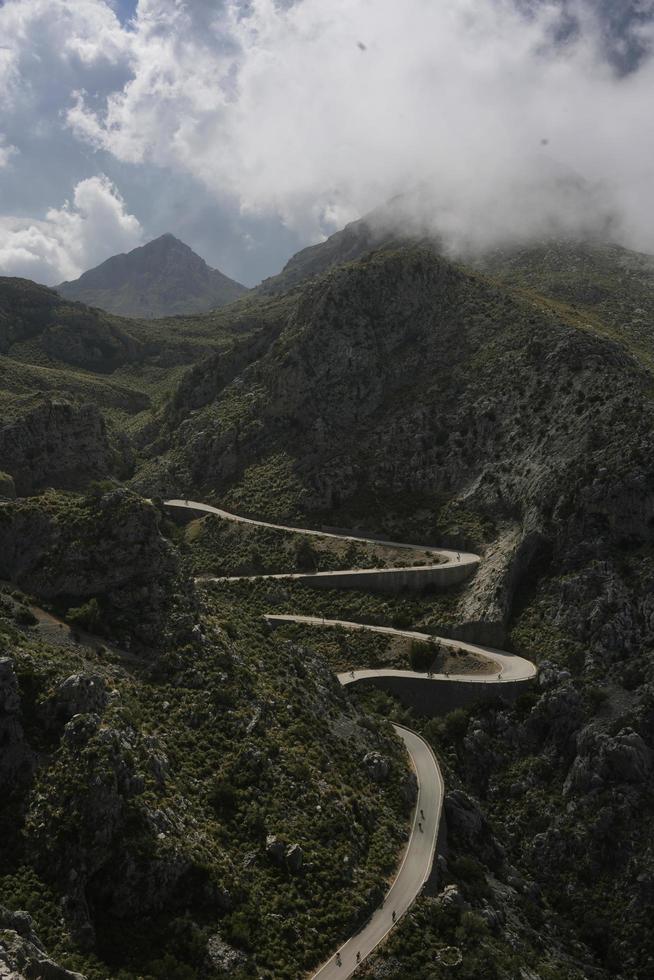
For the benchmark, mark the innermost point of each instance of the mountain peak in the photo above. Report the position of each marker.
(164, 277)
(169, 240)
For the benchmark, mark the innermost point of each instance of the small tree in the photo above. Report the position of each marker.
(306, 559)
(421, 655)
(86, 617)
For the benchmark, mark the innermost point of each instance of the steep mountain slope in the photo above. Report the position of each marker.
(412, 395)
(507, 408)
(36, 326)
(347, 245)
(396, 223)
(163, 278)
(611, 286)
(173, 809)
(404, 374)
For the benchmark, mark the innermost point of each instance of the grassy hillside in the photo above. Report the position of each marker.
(606, 287)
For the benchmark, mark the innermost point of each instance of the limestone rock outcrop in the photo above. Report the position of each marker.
(108, 549)
(16, 757)
(294, 858)
(604, 760)
(7, 486)
(22, 954)
(377, 766)
(60, 444)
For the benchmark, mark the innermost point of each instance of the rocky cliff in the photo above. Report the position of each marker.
(506, 408)
(56, 443)
(106, 549)
(412, 394)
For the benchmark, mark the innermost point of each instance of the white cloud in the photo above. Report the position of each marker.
(318, 111)
(72, 238)
(46, 43)
(7, 151)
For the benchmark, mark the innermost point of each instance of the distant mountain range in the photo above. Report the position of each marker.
(163, 278)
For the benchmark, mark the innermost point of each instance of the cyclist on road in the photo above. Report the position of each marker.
(394, 916)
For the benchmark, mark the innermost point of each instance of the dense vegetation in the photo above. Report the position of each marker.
(506, 408)
(191, 762)
(223, 547)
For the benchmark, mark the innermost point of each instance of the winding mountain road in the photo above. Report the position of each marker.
(509, 666)
(414, 869)
(418, 857)
(448, 556)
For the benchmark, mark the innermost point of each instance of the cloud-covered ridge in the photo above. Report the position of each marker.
(319, 112)
(492, 119)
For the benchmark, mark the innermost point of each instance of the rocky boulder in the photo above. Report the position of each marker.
(463, 816)
(549, 675)
(377, 766)
(223, 958)
(604, 760)
(275, 848)
(556, 716)
(294, 858)
(469, 827)
(79, 694)
(451, 898)
(409, 788)
(22, 955)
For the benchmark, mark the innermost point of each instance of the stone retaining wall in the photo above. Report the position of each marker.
(435, 698)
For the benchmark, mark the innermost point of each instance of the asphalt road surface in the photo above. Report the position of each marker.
(509, 666)
(446, 556)
(414, 869)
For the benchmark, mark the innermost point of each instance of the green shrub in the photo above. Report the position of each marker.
(25, 616)
(87, 616)
(98, 488)
(455, 724)
(222, 796)
(169, 968)
(596, 697)
(306, 559)
(422, 655)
